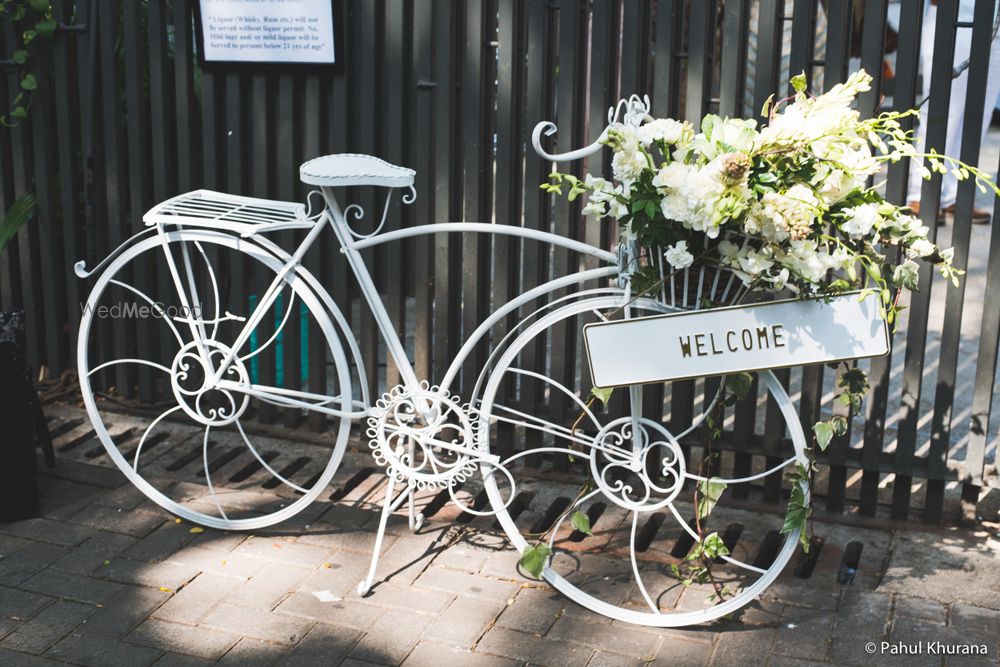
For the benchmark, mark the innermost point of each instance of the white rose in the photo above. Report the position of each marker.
(678, 256)
(662, 129)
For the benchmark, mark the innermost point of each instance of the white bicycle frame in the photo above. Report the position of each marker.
(351, 248)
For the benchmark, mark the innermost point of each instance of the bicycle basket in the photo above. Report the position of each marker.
(704, 284)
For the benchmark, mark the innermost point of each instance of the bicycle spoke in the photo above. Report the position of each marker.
(684, 524)
(560, 387)
(145, 434)
(277, 331)
(154, 305)
(540, 425)
(741, 480)
(208, 474)
(635, 566)
(141, 362)
(215, 288)
(558, 524)
(246, 440)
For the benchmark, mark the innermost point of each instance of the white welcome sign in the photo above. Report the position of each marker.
(735, 339)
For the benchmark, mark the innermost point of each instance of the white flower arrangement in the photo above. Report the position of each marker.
(796, 194)
(798, 188)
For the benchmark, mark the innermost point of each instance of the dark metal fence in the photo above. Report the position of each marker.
(124, 117)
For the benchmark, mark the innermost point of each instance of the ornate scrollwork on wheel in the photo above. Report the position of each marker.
(423, 437)
(638, 466)
(191, 378)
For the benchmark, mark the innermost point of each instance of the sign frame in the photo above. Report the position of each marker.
(337, 14)
(689, 313)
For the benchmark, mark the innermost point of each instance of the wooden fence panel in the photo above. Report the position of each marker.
(454, 90)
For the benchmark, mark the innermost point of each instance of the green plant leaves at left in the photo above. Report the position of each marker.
(709, 492)
(20, 56)
(19, 213)
(46, 28)
(581, 522)
(534, 558)
(29, 82)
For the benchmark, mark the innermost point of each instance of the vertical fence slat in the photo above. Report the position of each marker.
(951, 336)
(186, 118)
(444, 150)
(666, 67)
(43, 232)
(986, 363)
(732, 79)
(422, 150)
(701, 34)
(930, 198)
(509, 170)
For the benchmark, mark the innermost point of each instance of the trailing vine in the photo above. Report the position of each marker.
(33, 22)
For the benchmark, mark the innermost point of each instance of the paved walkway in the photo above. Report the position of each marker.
(105, 578)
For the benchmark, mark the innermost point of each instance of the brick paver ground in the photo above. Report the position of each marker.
(105, 578)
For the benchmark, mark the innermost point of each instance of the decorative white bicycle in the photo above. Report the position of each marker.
(204, 255)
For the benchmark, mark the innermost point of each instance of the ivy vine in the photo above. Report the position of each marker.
(33, 21)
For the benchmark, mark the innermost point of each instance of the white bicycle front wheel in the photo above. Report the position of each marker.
(161, 319)
(629, 474)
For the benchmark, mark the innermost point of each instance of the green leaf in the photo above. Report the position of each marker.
(709, 492)
(795, 518)
(799, 82)
(19, 213)
(603, 394)
(824, 433)
(40, 6)
(29, 82)
(767, 106)
(19, 112)
(534, 558)
(20, 56)
(46, 28)
(581, 522)
(713, 546)
(739, 385)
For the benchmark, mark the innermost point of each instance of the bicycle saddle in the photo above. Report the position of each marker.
(343, 169)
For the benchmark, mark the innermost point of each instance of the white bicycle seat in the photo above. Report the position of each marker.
(343, 169)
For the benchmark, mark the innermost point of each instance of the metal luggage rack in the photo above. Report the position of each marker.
(247, 215)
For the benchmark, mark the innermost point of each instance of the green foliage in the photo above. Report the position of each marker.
(31, 19)
(799, 82)
(19, 213)
(824, 433)
(696, 567)
(737, 387)
(799, 508)
(709, 492)
(581, 522)
(534, 558)
(602, 394)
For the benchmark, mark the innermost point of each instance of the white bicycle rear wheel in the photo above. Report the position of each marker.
(192, 455)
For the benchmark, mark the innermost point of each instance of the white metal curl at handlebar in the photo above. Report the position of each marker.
(636, 112)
